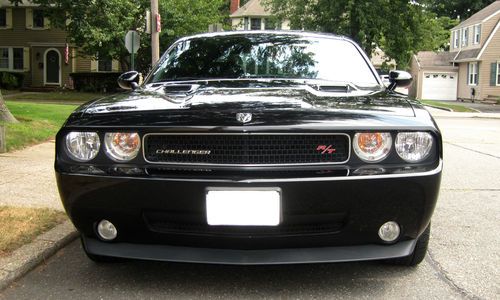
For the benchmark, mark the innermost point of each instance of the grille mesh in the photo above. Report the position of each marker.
(247, 149)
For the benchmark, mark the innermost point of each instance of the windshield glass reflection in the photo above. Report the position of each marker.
(264, 56)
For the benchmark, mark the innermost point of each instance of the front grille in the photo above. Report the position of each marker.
(247, 149)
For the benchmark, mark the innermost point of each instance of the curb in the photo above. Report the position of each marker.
(26, 258)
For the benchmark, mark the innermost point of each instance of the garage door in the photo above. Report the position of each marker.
(440, 86)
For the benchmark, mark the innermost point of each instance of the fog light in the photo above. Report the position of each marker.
(389, 232)
(106, 230)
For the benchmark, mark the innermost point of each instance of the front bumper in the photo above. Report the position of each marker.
(249, 257)
(350, 210)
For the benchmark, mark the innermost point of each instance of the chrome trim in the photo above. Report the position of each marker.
(435, 171)
(245, 165)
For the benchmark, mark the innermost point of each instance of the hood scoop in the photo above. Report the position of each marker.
(333, 88)
(180, 89)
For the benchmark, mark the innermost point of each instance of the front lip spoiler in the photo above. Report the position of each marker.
(249, 257)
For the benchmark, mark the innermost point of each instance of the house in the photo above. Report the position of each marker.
(475, 45)
(470, 70)
(434, 76)
(30, 46)
(254, 16)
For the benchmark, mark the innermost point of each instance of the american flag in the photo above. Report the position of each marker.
(66, 54)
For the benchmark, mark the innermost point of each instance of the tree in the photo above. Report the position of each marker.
(399, 27)
(181, 18)
(99, 26)
(461, 9)
(5, 115)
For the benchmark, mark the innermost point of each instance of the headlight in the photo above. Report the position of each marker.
(372, 146)
(413, 146)
(122, 146)
(82, 146)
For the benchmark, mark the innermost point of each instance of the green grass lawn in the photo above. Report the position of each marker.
(452, 106)
(37, 122)
(57, 96)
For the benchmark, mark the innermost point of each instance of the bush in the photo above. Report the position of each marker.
(95, 82)
(11, 81)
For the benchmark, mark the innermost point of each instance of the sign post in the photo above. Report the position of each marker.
(132, 43)
(155, 33)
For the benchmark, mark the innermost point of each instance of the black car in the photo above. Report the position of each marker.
(253, 148)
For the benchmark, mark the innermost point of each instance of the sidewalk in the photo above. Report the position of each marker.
(440, 113)
(27, 177)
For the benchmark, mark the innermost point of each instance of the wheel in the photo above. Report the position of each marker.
(418, 254)
(99, 258)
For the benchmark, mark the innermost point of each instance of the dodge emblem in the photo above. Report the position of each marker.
(244, 117)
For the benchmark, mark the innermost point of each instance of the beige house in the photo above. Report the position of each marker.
(470, 70)
(253, 16)
(475, 45)
(29, 45)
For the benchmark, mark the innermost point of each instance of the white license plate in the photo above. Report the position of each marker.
(243, 207)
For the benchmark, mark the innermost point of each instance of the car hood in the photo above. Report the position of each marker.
(251, 98)
(218, 106)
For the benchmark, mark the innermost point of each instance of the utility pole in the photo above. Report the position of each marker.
(155, 32)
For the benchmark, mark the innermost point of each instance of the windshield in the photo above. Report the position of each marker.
(264, 56)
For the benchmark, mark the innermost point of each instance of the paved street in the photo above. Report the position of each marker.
(463, 260)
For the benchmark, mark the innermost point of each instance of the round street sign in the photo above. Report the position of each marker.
(132, 41)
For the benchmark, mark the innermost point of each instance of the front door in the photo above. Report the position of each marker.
(52, 67)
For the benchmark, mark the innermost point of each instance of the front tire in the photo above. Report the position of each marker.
(418, 254)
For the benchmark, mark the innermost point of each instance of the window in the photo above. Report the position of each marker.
(3, 17)
(255, 23)
(104, 64)
(270, 24)
(18, 60)
(465, 36)
(473, 70)
(456, 38)
(38, 18)
(4, 58)
(477, 34)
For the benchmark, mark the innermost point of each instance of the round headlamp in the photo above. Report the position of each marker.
(372, 146)
(122, 146)
(82, 146)
(413, 146)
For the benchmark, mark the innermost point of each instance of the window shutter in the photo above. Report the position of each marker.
(29, 18)
(493, 74)
(8, 16)
(46, 23)
(477, 72)
(93, 65)
(26, 59)
(468, 73)
(115, 67)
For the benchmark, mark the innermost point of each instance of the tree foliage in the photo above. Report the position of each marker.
(99, 26)
(399, 27)
(181, 18)
(454, 9)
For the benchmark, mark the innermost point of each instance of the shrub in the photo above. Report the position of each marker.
(95, 82)
(11, 81)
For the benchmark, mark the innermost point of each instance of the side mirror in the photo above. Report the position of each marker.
(129, 80)
(399, 79)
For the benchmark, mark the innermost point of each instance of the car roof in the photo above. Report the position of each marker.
(270, 32)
